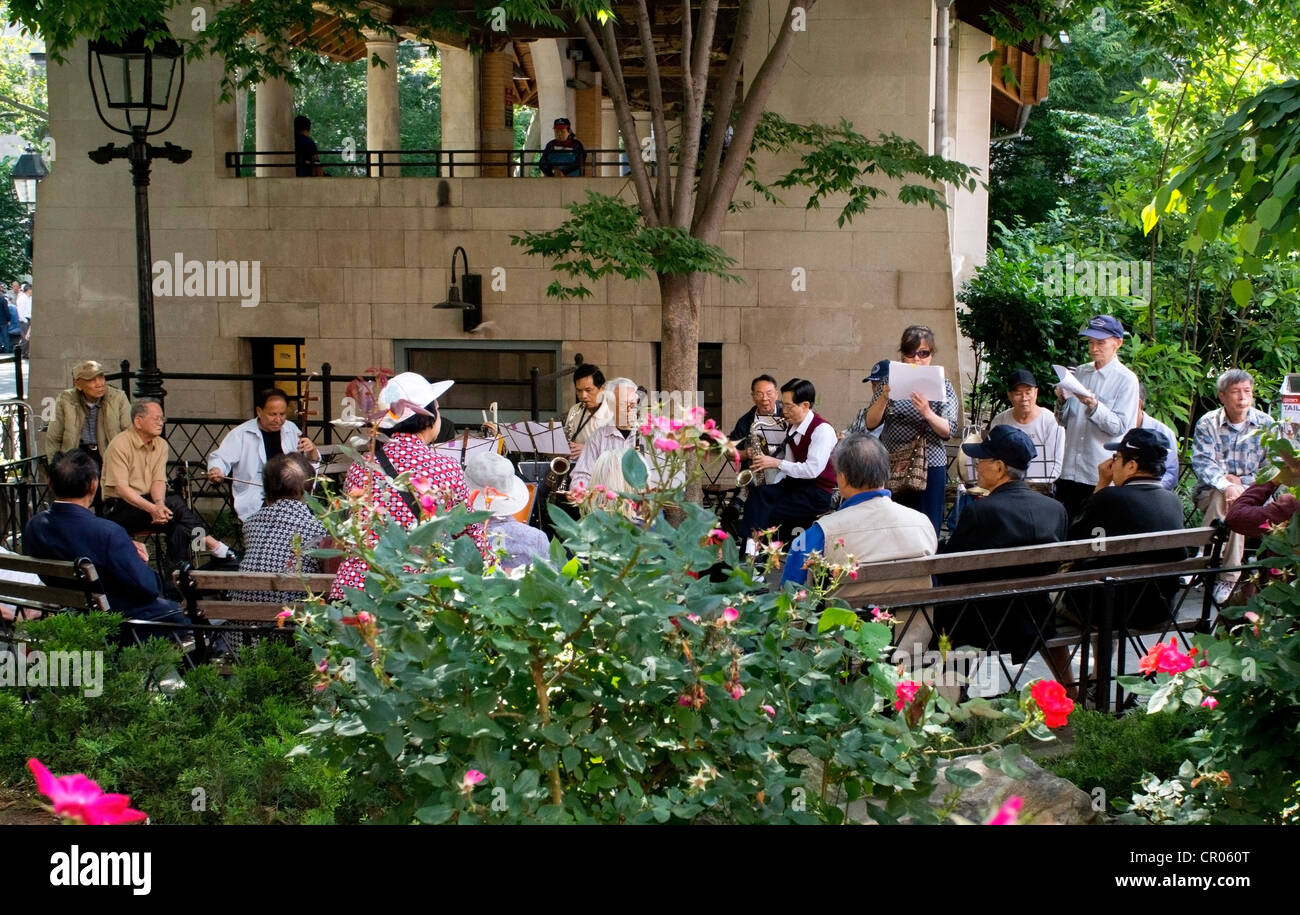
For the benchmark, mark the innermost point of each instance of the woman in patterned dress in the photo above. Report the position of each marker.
(278, 536)
(904, 421)
(409, 436)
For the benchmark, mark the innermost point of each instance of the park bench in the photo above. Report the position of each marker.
(205, 595)
(875, 586)
(70, 584)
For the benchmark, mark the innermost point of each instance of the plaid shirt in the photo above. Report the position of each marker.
(1218, 449)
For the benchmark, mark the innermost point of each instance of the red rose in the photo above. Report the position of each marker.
(1050, 697)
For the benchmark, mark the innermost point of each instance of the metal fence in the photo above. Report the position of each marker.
(436, 163)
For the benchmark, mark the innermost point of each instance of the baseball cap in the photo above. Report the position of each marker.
(561, 122)
(88, 370)
(1019, 377)
(1103, 326)
(1145, 445)
(412, 388)
(1004, 443)
(879, 371)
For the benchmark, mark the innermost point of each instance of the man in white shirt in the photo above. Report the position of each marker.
(1041, 427)
(247, 447)
(590, 413)
(24, 305)
(804, 483)
(1104, 414)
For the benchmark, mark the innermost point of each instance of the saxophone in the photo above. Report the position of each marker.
(757, 444)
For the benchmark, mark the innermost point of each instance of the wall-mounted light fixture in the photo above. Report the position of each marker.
(470, 301)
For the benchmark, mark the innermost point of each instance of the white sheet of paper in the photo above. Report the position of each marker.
(452, 449)
(539, 438)
(1072, 386)
(904, 378)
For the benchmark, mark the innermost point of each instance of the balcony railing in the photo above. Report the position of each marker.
(434, 163)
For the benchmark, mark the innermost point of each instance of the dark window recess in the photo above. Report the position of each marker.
(710, 377)
(279, 357)
(479, 374)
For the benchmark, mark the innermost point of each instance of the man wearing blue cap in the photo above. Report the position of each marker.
(1011, 514)
(1107, 411)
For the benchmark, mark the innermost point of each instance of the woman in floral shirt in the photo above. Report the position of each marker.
(905, 420)
(410, 434)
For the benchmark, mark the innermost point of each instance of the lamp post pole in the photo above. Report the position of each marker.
(149, 382)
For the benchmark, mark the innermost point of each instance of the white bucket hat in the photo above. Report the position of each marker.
(487, 470)
(410, 387)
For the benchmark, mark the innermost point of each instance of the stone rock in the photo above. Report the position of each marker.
(1049, 800)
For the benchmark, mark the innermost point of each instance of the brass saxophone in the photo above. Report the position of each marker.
(757, 444)
(558, 474)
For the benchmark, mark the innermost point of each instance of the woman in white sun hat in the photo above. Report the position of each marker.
(409, 435)
(498, 490)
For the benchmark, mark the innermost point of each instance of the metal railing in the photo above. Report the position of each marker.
(439, 163)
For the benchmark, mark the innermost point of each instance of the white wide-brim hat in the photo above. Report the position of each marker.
(488, 470)
(413, 388)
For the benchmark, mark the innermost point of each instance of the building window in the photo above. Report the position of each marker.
(275, 357)
(485, 371)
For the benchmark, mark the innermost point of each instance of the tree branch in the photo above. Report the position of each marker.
(715, 209)
(611, 70)
(723, 102)
(664, 193)
(696, 79)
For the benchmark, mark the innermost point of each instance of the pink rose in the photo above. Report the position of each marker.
(718, 534)
(853, 574)
(737, 691)
(771, 712)
(730, 615)
(77, 798)
(667, 444)
(904, 693)
(1209, 702)
(428, 504)
(1008, 813)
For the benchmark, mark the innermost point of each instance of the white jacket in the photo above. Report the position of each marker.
(242, 454)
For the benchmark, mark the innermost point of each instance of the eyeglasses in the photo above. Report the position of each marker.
(919, 354)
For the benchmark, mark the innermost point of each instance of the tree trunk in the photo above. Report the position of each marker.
(680, 332)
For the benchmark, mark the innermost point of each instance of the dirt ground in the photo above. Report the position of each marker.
(19, 809)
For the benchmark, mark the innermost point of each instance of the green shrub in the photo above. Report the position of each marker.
(1114, 753)
(226, 736)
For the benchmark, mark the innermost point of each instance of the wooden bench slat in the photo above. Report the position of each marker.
(46, 568)
(47, 595)
(240, 611)
(1040, 553)
(261, 581)
(971, 590)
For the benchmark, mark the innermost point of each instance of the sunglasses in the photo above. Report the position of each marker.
(919, 354)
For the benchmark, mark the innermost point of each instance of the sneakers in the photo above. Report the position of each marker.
(1222, 591)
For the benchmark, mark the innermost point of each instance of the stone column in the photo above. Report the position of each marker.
(273, 104)
(383, 114)
(496, 111)
(459, 105)
(587, 125)
(609, 136)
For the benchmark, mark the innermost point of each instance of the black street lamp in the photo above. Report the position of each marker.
(136, 77)
(27, 173)
(471, 304)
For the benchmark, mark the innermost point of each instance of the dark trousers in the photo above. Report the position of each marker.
(160, 611)
(1072, 495)
(93, 450)
(794, 502)
(180, 531)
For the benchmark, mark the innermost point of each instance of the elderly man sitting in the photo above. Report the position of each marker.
(623, 396)
(277, 536)
(871, 527)
(247, 447)
(1011, 515)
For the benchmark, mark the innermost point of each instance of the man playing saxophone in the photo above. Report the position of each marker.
(766, 412)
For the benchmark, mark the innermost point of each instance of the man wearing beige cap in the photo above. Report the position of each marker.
(88, 414)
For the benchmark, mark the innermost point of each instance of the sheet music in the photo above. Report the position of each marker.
(904, 378)
(539, 438)
(1070, 384)
(472, 446)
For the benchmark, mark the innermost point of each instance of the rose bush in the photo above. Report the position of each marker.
(643, 674)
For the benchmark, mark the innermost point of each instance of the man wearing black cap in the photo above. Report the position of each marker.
(1041, 427)
(1107, 411)
(878, 375)
(1135, 504)
(563, 156)
(1011, 514)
